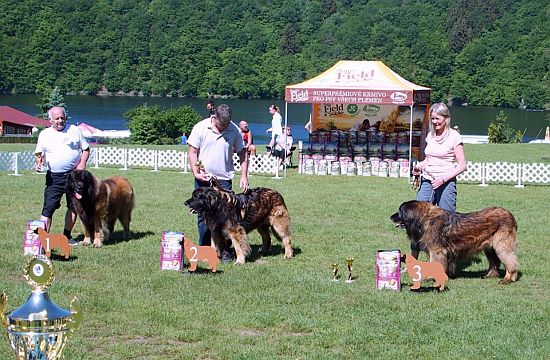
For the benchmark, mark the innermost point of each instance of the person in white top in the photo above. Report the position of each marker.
(276, 125)
(211, 146)
(61, 148)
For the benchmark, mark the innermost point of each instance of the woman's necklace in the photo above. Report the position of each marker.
(440, 138)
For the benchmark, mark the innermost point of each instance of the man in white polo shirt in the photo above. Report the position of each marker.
(61, 148)
(212, 142)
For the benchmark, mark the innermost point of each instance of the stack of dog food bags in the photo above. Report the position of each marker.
(388, 269)
(171, 251)
(31, 242)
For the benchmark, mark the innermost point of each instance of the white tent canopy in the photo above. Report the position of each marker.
(360, 83)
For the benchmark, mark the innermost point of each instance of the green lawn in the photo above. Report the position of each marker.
(276, 309)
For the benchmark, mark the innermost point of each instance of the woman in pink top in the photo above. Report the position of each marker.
(444, 160)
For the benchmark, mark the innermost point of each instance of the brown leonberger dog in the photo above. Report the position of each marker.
(99, 203)
(448, 237)
(231, 216)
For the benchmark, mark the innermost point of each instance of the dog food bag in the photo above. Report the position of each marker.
(351, 169)
(31, 242)
(335, 168)
(383, 169)
(388, 269)
(367, 168)
(323, 167)
(394, 169)
(404, 170)
(171, 251)
(309, 167)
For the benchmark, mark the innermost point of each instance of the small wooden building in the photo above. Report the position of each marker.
(15, 122)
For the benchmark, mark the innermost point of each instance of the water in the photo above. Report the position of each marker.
(106, 113)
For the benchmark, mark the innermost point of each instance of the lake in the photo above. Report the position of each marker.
(106, 113)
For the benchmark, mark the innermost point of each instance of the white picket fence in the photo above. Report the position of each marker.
(517, 174)
(127, 158)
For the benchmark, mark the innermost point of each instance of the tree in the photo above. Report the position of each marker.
(500, 132)
(51, 99)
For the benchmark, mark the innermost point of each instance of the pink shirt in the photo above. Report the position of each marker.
(440, 155)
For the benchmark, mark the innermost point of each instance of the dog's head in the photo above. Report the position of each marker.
(203, 199)
(410, 212)
(410, 216)
(80, 184)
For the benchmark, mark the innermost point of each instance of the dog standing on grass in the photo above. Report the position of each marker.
(448, 237)
(99, 203)
(231, 216)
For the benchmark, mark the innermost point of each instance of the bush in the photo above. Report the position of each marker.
(18, 139)
(152, 125)
(500, 132)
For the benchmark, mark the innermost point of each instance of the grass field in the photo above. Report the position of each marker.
(276, 309)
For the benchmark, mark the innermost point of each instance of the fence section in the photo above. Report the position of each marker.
(483, 173)
(136, 158)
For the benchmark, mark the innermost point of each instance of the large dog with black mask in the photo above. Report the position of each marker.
(231, 216)
(448, 237)
(99, 203)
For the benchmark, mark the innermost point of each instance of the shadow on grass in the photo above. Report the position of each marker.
(59, 257)
(116, 237)
(199, 271)
(276, 250)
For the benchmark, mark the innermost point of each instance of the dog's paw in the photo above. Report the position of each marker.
(98, 244)
(86, 241)
(505, 281)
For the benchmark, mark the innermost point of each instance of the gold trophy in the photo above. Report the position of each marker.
(38, 329)
(349, 262)
(335, 272)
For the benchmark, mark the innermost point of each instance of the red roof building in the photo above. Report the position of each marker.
(15, 122)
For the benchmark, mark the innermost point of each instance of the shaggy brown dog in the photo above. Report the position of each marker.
(419, 270)
(231, 216)
(99, 203)
(196, 253)
(51, 241)
(448, 237)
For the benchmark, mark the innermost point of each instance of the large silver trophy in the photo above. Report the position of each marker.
(38, 329)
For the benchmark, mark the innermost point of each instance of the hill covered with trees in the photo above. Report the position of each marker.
(484, 52)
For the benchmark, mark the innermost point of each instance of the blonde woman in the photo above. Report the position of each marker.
(444, 160)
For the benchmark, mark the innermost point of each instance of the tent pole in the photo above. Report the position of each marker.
(286, 139)
(410, 141)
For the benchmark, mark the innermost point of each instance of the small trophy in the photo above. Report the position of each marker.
(349, 262)
(200, 166)
(38, 329)
(335, 272)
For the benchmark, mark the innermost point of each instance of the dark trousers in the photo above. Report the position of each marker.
(204, 232)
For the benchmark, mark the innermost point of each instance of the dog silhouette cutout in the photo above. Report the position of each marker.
(420, 270)
(196, 253)
(51, 241)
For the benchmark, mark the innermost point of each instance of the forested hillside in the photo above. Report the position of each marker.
(484, 52)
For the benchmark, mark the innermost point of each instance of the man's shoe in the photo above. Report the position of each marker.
(73, 242)
(226, 257)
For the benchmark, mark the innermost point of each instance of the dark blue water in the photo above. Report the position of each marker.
(106, 113)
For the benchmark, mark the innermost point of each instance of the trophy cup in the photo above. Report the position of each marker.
(38, 329)
(349, 262)
(335, 272)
